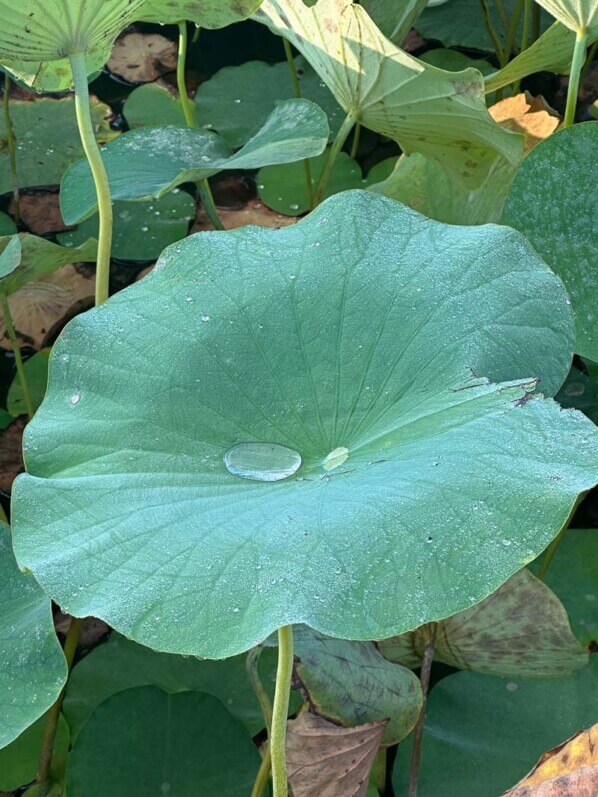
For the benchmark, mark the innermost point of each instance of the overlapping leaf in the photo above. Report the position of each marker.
(32, 666)
(521, 630)
(313, 337)
(204, 13)
(575, 14)
(150, 162)
(561, 224)
(425, 109)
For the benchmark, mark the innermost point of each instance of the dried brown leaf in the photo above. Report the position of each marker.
(569, 770)
(142, 57)
(41, 212)
(254, 212)
(41, 308)
(11, 457)
(324, 760)
(525, 114)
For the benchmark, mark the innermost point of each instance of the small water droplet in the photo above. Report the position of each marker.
(506, 542)
(75, 398)
(336, 458)
(205, 317)
(262, 462)
(238, 101)
(294, 206)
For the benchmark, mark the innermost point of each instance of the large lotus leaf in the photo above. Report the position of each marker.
(551, 52)
(424, 109)
(145, 741)
(41, 257)
(348, 340)
(36, 33)
(423, 184)
(151, 161)
(32, 666)
(141, 229)
(575, 14)
(561, 224)
(153, 105)
(120, 664)
(204, 13)
(284, 188)
(19, 761)
(47, 139)
(394, 18)
(573, 575)
(482, 733)
(461, 23)
(237, 101)
(351, 684)
(522, 630)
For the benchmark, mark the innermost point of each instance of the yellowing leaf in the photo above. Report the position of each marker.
(423, 108)
(569, 770)
(324, 760)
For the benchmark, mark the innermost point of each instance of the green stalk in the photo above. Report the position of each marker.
(263, 775)
(527, 21)
(98, 171)
(418, 733)
(512, 30)
(12, 149)
(355, 142)
(14, 342)
(297, 90)
(493, 34)
(203, 186)
(579, 53)
(45, 760)
(336, 147)
(535, 22)
(251, 665)
(280, 711)
(380, 768)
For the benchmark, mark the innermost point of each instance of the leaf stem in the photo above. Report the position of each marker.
(45, 759)
(16, 349)
(536, 19)
(579, 52)
(263, 775)
(418, 733)
(336, 147)
(512, 29)
(381, 764)
(527, 21)
(493, 34)
(355, 142)
(251, 665)
(98, 171)
(297, 91)
(12, 149)
(203, 186)
(280, 711)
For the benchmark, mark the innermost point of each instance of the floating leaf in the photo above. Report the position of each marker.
(573, 575)
(40, 258)
(145, 741)
(7, 225)
(154, 105)
(569, 770)
(36, 371)
(284, 188)
(142, 57)
(351, 684)
(312, 338)
(237, 101)
(40, 308)
(204, 13)
(150, 162)
(483, 733)
(575, 14)
(521, 629)
(38, 35)
(423, 108)
(32, 666)
(120, 664)
(47, 139)
(19, 761)
(325, 760)
(560, 224)
(141, 229)
(461, 23)
(394, 19)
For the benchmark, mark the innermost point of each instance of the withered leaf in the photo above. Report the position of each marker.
(142, 57)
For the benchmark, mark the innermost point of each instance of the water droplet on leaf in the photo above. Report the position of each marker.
(263, 462)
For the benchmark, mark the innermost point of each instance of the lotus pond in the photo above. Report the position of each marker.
(298, 393)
